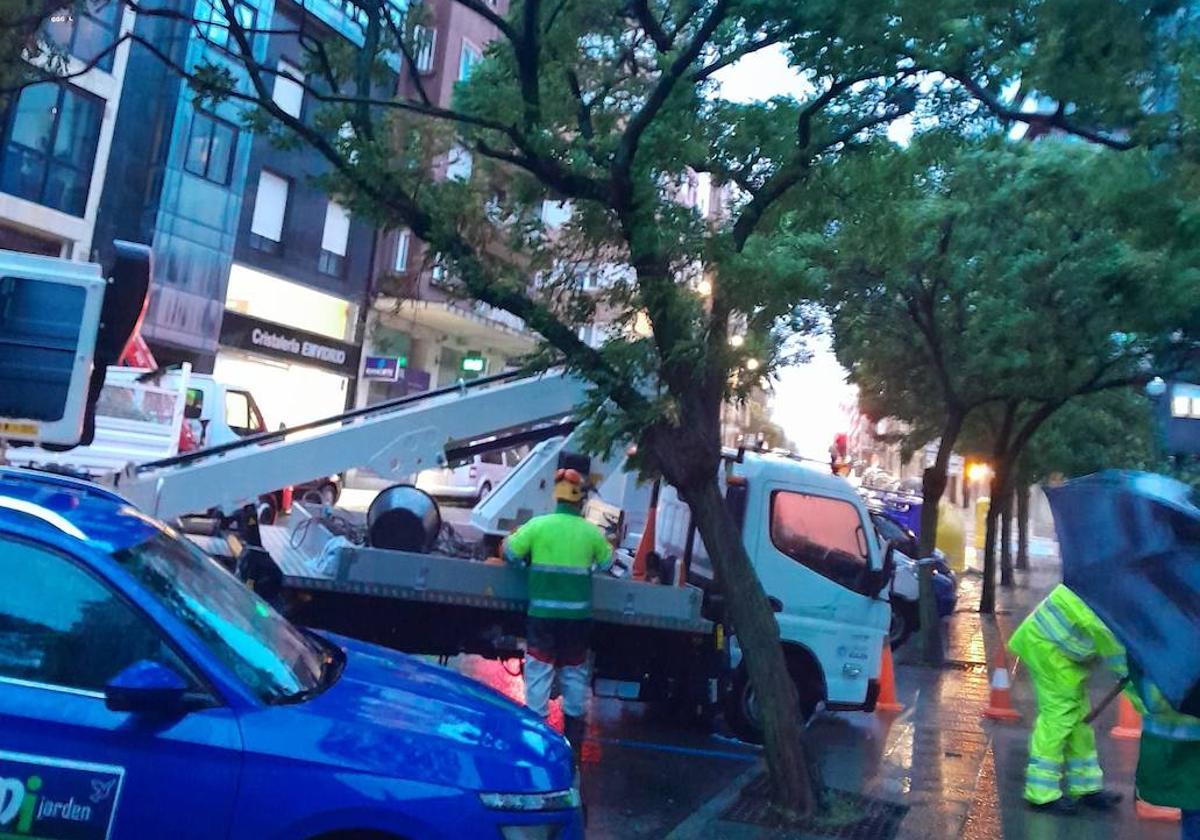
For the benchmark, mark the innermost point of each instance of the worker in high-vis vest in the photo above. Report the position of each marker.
(1058, 642)
(562, 550)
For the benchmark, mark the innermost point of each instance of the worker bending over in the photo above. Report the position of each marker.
(1058, 642)
(562, 550)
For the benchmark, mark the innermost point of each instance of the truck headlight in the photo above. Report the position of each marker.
(558, 800)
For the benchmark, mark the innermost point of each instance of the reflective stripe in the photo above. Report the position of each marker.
(1038, 781)
(1078, 764)
(561, 570)
(1116, 662)
(1065, 641)
(544, 604)
(1045, 764)
(1172, 731)
(1069, 634)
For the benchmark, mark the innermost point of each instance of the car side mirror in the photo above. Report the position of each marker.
(146, 687)
(192, 412)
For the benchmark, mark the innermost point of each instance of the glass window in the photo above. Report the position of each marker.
(216, 28)
(241, 414)
(337, 229)
(39, 336)
(52, 132)
(61, 626)
(826, 535)
(210, 148)
(269, 207)
(495, 457)
(468, 59)
(402, 243)
(423, 42)
(289, 90)
(87, 31)
(272, 657)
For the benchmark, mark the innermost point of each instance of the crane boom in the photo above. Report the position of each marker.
(393, 440)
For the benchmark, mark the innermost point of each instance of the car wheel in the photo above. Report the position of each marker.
(905, 619)
(741, 706)
(485, 490)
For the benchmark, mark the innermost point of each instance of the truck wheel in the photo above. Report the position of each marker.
(741, 706)
(905, 621)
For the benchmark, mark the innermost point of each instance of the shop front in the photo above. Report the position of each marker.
(295, 375)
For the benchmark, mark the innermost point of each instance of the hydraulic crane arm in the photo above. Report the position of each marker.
(393, 440)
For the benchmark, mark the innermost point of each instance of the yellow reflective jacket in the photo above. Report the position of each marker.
(1065, 622)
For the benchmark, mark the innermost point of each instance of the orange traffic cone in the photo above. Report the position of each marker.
(1000, 705)
(1129, 722)
(887, 701)
(649, 537)
(1146, 811)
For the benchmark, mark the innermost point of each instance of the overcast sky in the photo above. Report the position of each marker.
(810, 400)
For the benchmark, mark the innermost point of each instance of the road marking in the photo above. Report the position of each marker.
(672, 748)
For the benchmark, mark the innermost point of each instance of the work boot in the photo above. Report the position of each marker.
(573, 731)
(1101, 800)
(1062, 806)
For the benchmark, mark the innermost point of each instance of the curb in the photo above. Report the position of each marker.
(699, 824)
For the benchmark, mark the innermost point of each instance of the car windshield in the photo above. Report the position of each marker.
(273, 657)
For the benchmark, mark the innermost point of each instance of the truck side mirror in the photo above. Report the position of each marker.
(888, 570)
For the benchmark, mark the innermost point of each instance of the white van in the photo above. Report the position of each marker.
(470, 479)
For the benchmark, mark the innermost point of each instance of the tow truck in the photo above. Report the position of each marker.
(808, 535)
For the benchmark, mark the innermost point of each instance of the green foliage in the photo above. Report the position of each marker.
(1113, 430)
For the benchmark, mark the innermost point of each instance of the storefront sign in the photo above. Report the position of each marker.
(384, 368)
(246, 333)
(473, 364)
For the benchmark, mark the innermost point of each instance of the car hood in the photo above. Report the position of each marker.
(393, 714)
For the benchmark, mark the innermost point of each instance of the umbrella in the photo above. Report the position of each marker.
(1130, 547)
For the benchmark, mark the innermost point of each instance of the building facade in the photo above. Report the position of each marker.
(56, 138)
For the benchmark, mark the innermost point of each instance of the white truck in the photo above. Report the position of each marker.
(807, 533)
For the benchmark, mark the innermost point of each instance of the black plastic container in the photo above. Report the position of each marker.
(403, 518)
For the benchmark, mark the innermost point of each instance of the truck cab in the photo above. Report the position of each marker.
(810, 538)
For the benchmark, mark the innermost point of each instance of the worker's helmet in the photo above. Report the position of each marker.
(568, 486)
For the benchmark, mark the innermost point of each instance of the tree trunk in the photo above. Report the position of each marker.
(1023, 494)
(1006, 555)
(933, 485)
(758, 634)
(987, 597)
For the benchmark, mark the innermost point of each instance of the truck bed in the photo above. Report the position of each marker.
(438, 579)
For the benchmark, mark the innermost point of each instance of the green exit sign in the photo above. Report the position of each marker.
(473, 364)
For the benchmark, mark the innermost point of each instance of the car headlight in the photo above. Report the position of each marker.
(558, 800)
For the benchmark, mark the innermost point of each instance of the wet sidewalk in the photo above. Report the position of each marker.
(958, 774)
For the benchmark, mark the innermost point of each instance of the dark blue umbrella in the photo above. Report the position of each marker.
(1130, 547)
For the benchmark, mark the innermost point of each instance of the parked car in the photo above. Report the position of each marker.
(469, 479)
(146, 692)
(905, 590)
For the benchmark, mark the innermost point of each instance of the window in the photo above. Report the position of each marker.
(467, 60)
(266, 225)
(241, 414)
(87, 31)
(402, 242)
(826, 535)
(289, 89)
(60, 626)
(458, 164)
(50, 146)
(210, 148)
(215, 26)
(495, 457)
(334, 240)
(424, 41)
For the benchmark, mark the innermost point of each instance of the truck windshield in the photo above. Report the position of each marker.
(274, 658)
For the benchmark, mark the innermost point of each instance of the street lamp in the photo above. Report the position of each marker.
(737, 340)
(704, 288)
(752, 364)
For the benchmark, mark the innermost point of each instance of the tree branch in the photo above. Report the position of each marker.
(1055, 119)
(652, 27)
(736, 55)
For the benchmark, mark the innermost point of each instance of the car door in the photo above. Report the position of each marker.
(815, 558)
(70, 767)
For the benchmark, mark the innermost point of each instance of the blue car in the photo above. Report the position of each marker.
(146, 693)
